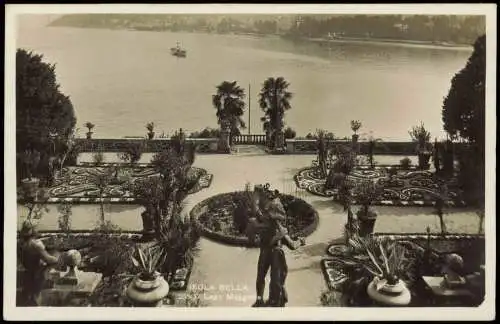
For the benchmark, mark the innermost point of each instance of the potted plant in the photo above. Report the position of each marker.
(30, 160)
(365, 192)
(355, 126)
(148, 288)
(150, 127)
(376, 268)
(89, 126)
(420, 135)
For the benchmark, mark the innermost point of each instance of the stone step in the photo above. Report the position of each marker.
(249, 149)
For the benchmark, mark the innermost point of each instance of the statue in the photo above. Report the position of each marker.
(267, 224)
(36, 261)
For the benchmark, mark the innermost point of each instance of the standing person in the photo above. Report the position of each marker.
(35, 259)
(269, 214)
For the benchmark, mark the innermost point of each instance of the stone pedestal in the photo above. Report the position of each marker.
(223, 144)
(279, 140)
(71, 289)
(355, 143)
(290, 146)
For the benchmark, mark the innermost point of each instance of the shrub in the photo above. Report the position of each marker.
(290, 133)
(206, 133)
(133, 152)
(98, 157)
(405, 163)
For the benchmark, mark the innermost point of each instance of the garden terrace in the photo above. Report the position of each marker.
(230, 173)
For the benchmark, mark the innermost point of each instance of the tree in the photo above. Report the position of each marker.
(274, 100)
(41, 108)
(463, 117)
(463, 110)
(228, 100)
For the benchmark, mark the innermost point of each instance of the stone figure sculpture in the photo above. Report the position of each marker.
(267, 223)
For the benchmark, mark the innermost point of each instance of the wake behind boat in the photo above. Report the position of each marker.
(178, 51)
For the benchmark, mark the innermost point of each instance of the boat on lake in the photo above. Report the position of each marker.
(178, 51)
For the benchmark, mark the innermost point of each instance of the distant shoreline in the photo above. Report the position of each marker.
(389, 41)
(383, 41)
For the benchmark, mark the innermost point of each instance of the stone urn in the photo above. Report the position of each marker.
(147, 290)
(151, 135)
(89, 135)
(385, 292)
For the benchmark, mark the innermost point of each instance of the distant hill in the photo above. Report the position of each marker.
(437, 28)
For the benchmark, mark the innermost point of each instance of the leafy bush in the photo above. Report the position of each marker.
(98, 157)
(133, 152)
(405, 163)
(206, 133)
(290, 133)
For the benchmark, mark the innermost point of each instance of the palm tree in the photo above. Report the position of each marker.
(230, 106)
(274, 100)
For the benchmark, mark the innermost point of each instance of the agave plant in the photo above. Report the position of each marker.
(177, 244)
(148, 261)
(370, 257)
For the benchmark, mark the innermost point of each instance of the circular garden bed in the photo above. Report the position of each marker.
(223, 217)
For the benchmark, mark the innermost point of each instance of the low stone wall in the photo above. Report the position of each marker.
(203, 145)
(308, 146)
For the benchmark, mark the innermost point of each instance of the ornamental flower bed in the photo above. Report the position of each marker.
(78, 185)
(401, 188)
(222, 218)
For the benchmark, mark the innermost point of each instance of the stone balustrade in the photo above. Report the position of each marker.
(209, 145)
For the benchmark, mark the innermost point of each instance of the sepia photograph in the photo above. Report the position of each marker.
(333, 161)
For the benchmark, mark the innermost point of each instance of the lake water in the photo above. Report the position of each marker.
(120, 80)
